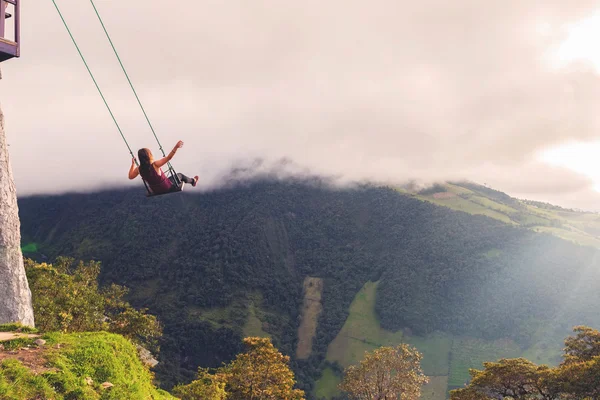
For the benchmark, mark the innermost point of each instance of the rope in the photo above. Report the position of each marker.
(131, 85)
(94, 79)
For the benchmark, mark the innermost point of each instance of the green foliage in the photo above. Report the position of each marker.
(260, 373)
(387, 373)
(66, 298)
(520, 379)
(101, 356)
(206, 386)
(17, 327)
(583, 347)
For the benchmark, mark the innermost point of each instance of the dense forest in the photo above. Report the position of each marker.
(439, 269)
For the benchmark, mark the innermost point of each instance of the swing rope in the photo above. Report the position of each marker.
(170, 167)
(131, 85)
(94, 79)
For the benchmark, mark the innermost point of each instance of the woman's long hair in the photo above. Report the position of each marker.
(145, 157)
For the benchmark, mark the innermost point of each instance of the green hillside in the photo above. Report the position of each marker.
(391, 266)
(576, 226)
(74, 366)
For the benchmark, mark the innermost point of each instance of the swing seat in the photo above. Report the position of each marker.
(175, 189)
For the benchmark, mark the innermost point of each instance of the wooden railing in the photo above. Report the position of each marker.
(9, 47)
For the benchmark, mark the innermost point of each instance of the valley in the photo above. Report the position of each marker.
(463, 273)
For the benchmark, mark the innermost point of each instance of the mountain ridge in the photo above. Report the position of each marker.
(236, 260)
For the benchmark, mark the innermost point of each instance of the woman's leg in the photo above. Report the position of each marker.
(186, 179)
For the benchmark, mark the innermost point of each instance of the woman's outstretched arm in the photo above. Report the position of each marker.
(164, 160)
(133, 170)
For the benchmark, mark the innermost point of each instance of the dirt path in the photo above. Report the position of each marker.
(5, 336)
(313, 289)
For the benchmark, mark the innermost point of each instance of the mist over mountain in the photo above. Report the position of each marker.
(458, 260)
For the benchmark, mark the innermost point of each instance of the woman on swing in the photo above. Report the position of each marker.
(151, 171)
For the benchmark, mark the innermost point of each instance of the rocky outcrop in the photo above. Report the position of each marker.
(15, 296)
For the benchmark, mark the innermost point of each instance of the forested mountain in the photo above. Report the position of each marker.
(219, 265)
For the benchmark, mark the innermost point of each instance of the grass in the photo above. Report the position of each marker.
(362, 331)
(29, 248)
(253, 325)
(18, 382)
(472, 353)
(578, 227)
(544, 353)
(244, 312)
(16, 327)
(436, 389)
(572, 236)
(15, 344)
(446, 358)
(327, 385)
(102, 356)
(492, 253)
(460, 204)
(456, 189)
(221, 316)
(436, 352)
(484, 201)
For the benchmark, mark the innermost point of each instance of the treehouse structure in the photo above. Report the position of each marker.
(9, 41)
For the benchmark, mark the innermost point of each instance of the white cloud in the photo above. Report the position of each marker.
(386, 90)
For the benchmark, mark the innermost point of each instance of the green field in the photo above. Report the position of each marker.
(326, 386)
(472, 353)
(446, 358)
(436, 389)
(578, 227)
(253, 325)
(461, 204)
(361, 331)
(244, 312)
(29, 248)
(436, 352)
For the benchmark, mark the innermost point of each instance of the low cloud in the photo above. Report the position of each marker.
(387, 91)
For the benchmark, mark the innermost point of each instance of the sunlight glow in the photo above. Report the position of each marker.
(582, 43)
(580, 157)
(581, 46)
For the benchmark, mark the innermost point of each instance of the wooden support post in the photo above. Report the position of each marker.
(3, 6)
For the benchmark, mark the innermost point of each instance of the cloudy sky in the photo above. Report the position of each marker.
(505, 93)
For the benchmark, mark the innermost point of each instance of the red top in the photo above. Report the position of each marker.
(157, 183)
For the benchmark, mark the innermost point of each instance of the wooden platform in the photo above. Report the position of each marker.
(8, 49)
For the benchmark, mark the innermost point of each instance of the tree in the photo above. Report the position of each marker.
(205, 387)
(386, 373)
(516, 378)
(261, 372)
(576, 377)
(580, 380)
(584, 346)
(67, 298)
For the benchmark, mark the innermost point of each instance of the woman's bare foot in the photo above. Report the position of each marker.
(195, 181)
